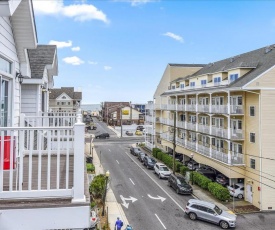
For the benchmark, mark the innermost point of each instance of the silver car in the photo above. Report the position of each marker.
(197, 209)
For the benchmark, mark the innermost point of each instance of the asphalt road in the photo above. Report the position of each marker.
(148, 203)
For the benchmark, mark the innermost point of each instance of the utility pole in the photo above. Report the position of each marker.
(121, 121)
(174, 144)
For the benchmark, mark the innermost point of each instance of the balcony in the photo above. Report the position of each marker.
(171, 107)
(157, 106)
(149, 106)
(191, 108)
(181, 107)
(219, 132)
(191, 126)
(167, 137)
(204, 150)
(180, 141)
(203, 108)
(47, 164)
(191, 145)
(219, 109)
(236, 109)
(163, 106)
(204, 128)
(149, 119)
(158, 120)
(236, 134)
(237, 158)
(167, 121)
(181, 124)
(220, 155)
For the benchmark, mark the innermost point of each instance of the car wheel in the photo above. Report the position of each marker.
(192, 216)
(147, 166)
(224, 224)
(177, 191)
(159, 176)
(169, 184)
(240, 196)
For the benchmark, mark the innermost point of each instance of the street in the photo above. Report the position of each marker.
(148, 203)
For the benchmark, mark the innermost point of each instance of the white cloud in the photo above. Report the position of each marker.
(107, 67)
(174, 36)
(92, 62)
(79, 12)
(61, 44)
(73, 60)
(77, 48)
(139, 2)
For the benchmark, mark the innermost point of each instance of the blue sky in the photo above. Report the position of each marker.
(118, 50)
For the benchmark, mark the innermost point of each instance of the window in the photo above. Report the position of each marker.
(62, 103)
(252, 111)
(192, 84)
(252, 137)
(69, 103)
(182, 86)
(5, 65)
(173, 87)
(252, 163)
(58, 103)
(203, 83)
(217, 81)
(4, 98)
(233, 77)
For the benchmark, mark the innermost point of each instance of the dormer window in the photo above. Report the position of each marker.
(217, 81)
(233, 77)
(182, 86)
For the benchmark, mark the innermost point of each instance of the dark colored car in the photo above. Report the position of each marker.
(193, 165)
(140, 127)
(129, 133)
(210, 173)
(102, 135)
(134, 150)
(222, 179)
(179, 184)
(149, 162)
(141, 156)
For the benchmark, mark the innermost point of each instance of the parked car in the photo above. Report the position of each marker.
(102, 135)
(140, 127)
(198, 209)
(134, 150)
(94, 128)
(149, 162)
(236, 190)
(138, 132)
(129, 133)
(193, 165)
(162, 170)
(208, 172)
(179, 184)
(222, 179)
(141, 156)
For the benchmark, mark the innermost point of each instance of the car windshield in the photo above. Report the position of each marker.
(181, 181)
(234, 186)
(163, 168)
(142, 154)
(218, 210)
(151, 160)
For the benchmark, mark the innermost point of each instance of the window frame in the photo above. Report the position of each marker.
(251, 141)
(250, 114)
(252, 163)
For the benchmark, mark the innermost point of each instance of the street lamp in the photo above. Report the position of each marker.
(192, 156)
(107, 174)
(91, 148)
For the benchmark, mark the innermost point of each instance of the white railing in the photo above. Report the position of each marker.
(236, 134)
(237, 158)
(220, 156)
(163, 106)
(42, 162)
(204, 128)
(171, 107)
(167, 136)
(181, 107)
(191, 108)
(180, 141)
(149, 106)
(191, 126)
(181, 124)
(149, 119)
(157, 106)
(236, 109)
(191, 145)
(219, 132)
(219, 109)
(203, 108)
(204, 150)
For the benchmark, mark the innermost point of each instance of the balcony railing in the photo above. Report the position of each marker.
(236, 109)
(180, 141)
(204, 108)
(204, 128)
(167, 136)
(204, 150)
(191, 108)
(236, 134)
(148, 118)
(181, 107)
(181, 124)
(191, 126)
(219, 109)
(163, 106)
(219, 132)
(191, 145)
(167, 121)
(237, 158)
(43, 162)
(220, 155)
(171, 107)
(157, 106)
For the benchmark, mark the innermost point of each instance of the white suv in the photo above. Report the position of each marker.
(162, 170)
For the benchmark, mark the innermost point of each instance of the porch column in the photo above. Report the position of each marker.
(78, 188)
(210, 102)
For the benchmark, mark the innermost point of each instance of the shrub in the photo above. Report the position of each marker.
(183, 170)
(219, 191)
(90, 167)
(97, 186)
(155, 150)
(200, 180)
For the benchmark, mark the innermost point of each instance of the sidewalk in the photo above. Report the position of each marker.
(114, 208)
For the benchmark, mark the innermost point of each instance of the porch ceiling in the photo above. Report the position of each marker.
(24, 29)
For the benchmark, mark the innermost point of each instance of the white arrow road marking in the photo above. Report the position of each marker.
(132, 181)
(117, 161)
(157, 198)
(160, 221)
(124, 203)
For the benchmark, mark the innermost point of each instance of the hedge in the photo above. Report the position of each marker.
(90, 167)
(97, 186)
(200, 180)
(183, 169)
(219, 191)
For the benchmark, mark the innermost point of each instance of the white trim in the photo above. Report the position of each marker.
(244, 87)
(260, 88)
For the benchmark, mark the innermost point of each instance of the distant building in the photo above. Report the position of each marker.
(127, 115)
(93, 109)
(65, 99)
(139, 107)
(110, 107)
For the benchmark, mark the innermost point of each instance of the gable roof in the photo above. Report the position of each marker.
(258, 60)
(40, 57)
(187, 65)
(55, 93)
